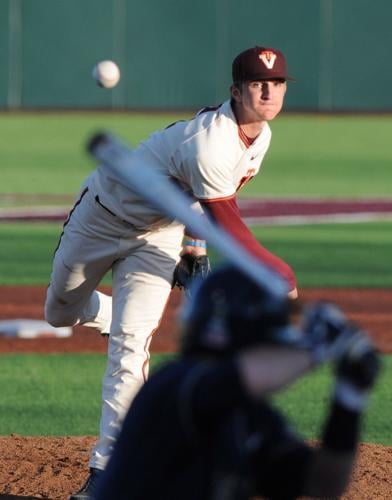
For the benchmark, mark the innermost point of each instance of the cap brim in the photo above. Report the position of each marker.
(259, 76)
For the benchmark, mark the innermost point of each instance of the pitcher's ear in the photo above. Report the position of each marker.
(235, 91)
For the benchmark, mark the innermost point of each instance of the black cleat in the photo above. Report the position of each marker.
(88, 490)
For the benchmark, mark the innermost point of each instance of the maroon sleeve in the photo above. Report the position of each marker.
(226, 213)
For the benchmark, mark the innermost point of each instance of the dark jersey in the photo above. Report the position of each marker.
(192, 433)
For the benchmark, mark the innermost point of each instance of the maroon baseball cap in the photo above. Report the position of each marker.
(260, 63)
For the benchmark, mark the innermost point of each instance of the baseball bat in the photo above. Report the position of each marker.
(157, 189)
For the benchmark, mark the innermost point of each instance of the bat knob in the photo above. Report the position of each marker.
(97, 140)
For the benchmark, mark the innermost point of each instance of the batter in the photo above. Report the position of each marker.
(218, 435)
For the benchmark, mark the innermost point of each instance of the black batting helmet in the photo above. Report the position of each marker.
(228, 312)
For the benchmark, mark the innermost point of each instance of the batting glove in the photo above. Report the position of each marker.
(327, 331)
(356, 372)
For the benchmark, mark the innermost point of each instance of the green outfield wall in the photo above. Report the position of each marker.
(176, 54)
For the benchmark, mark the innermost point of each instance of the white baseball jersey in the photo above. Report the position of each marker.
(112, 228)
(205, 155)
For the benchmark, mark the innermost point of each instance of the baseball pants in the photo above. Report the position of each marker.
(93, 242)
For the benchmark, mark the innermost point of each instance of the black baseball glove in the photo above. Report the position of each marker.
(190, 268)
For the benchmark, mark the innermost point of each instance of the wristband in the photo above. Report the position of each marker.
(195, 243)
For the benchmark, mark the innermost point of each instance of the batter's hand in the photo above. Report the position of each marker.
(360, 364)
(190, 268)
(327, 331)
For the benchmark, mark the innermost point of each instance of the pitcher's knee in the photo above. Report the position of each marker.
(58, 317)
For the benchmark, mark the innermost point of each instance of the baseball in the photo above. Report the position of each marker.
(106, 74)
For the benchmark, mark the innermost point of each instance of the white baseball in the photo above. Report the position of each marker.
(106, 74)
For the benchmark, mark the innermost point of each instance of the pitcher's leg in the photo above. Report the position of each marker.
(128, 356)
(86, 251)
(141, 288)
(95, 313)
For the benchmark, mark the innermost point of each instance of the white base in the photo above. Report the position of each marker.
(32, 329)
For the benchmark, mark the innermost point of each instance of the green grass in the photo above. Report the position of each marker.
(45, 152)
(306, 403)
(52, 394)
(309, 154)
(32, 403)
(333, 156)
(26, 252)
(334, 254)
(321, 255)
(345, 255)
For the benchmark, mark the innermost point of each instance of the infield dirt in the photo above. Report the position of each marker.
(53, 467)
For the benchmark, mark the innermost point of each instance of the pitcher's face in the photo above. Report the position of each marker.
(260, 100)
